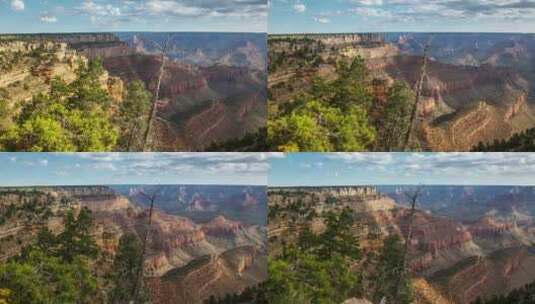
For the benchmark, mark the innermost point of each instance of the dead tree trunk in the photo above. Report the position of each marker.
(413, 198)
(419, 86)
(147, 140)
(139, 274)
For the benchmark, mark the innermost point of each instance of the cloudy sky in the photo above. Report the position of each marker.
(300, 16)
(32, 16)
(23, 169)
(314, 169)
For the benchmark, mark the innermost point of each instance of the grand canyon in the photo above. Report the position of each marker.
(467, 88)
(206, 89)
(201, 242)
(467, 244)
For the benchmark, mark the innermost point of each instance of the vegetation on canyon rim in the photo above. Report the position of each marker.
(62, 268)
(344, 114)
(327, 268)
(78, 116)
(520, 142)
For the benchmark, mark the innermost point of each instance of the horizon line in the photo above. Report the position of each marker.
(130, 31)
(412, 185)
(130, 184)
(397, 32)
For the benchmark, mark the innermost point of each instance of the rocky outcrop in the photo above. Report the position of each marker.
(235, 75)
(249, 200)
(464, 105)
(28, 66)
(43, 60)
(220, 226)
(518, 106)
(330, 39)
(486, 276)
(104, 49)
(230, 272)
(488, 227)
(338, 192)
(178, 78)
(203, 126)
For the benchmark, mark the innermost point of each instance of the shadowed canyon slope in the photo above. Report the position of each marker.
(215, 256)
(476, 87)
(467, 242)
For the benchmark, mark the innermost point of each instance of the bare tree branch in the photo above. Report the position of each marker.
(413, 199)
(419, 87)
(147, 142)
(139, 275)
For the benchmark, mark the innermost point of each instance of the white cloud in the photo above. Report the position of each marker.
(299, 7)
(17, 5)
(322, 20)
(106, 166)
(48, 18)
(61, 173)
(94, 9)
(370, 158)
(173, 8)
(370, 2)
(372, 12)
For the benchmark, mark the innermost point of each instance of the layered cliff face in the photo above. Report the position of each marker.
(220, 226)
(474, 277)
(437, 243)
(197, 105)
(304, 205)
(174, 240)
(296, 59)
(24, 211)
(29, 65)
(232, 270)
(483, 78)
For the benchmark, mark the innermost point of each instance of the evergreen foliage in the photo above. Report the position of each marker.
(78, 116)
(520, 142)
(335, 115)
(126, 269)
(133, 116)
(523, 295)
(318, 268)
(55, 269)
(390, 283)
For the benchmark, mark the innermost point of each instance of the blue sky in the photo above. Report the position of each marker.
(23, 16)
(275, 169)
(27, 169)
(322, 16)
(317, 169)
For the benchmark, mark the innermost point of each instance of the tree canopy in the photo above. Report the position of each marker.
(55, 269)
(78, 116)
(335, 115)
